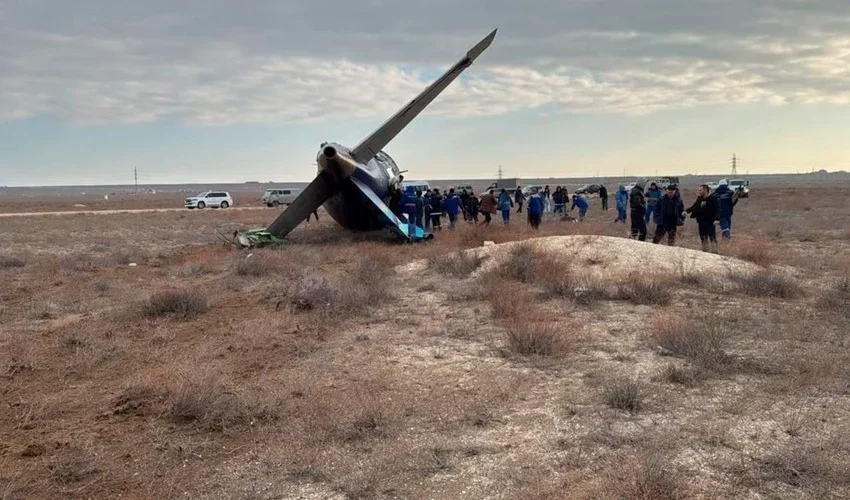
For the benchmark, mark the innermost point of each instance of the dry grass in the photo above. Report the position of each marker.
(456, 265)
(211, 402)
(701, 340)
(520, 265)
(646, 289)
(537, 339)
(179, 303)
(768, 283)
(11, 261)
(624, 394)
(675, 374)
(759, 251)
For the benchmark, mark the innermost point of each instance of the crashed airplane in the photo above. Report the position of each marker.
(354, 184)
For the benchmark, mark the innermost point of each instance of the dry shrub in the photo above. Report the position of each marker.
(702, 340)
(761, 252)
(536, 339)
(560, 280)
(837, 297)
(623, 394)
(509, 301)
(213, 403)
(76, 471)
(807, 465)
(252, 265)
(680, 375)
(11, 261)
(520, 264)
(768, 283)
(644, 289)
(180, 303)
(456, 265)
(651, 478)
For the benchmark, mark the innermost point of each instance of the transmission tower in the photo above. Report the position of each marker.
(500, 172)
(136, 179)
(734, 165)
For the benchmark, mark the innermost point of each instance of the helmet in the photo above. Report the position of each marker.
(723, 182)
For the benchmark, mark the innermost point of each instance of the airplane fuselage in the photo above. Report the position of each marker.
(347, 206)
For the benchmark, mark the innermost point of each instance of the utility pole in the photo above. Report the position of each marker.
(136, 179)
(734, 165)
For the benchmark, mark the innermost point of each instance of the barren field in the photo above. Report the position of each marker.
(141, 358)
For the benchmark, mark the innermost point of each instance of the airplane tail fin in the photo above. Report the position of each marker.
(372, 145)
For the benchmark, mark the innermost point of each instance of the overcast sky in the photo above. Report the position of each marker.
(219, 90)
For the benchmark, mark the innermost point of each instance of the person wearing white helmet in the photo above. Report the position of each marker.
(726, 201)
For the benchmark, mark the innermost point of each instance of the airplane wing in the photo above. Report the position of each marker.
(387, 215)
(372, 145)
(317, 192)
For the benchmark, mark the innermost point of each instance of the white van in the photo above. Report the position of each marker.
(417, 185)
(280, 196)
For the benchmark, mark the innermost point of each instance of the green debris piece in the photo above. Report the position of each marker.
(259, 238)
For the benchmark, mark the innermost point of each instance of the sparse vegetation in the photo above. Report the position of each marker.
(457, 265)
(212, 403)
(645, 289)
(536, 339)
(759, 251)
(701, 340)
(768, 283)
(624, 394)
(520, 265)
(11, 261)
(180, 303)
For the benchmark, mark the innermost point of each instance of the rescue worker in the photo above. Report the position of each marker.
(396, 198)
(668, 215)
(603, 195)
(535, 209)
(653, 194)
(519, 198)
(505, 205)
(452, 206)
(704, 210)
(409, 204)
(581, 203)
(489, 204)
(622, 200)
(637, 203)
(726, 201)
(426, 205)
(436, 209)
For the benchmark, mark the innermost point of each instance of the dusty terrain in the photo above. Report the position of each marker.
(142, 358)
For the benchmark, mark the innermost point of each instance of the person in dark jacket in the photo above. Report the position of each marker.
(535, 209)
(637, 203)
(581, 203)
(668, 215)
(396, 197)
(464, 200)
(420, 209)
(489, 204)
(452, 206)
(704, 210)
(726, 201)
(519, 198)
(472, 207)
(558, 200)
(426, 207)
(436, 209)
(603, 195)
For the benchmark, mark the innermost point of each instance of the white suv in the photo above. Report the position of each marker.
(212, 199)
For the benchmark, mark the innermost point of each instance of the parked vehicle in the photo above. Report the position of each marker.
(741, 186)
(212, 199)
(280, 196)
(417, 185)
(588, 189)
(509, 185)
(460, 188)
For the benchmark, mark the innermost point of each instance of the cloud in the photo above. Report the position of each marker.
(219, 62)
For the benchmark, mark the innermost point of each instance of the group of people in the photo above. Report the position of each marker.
(664, 207)
(668, 212)
(426, 209)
